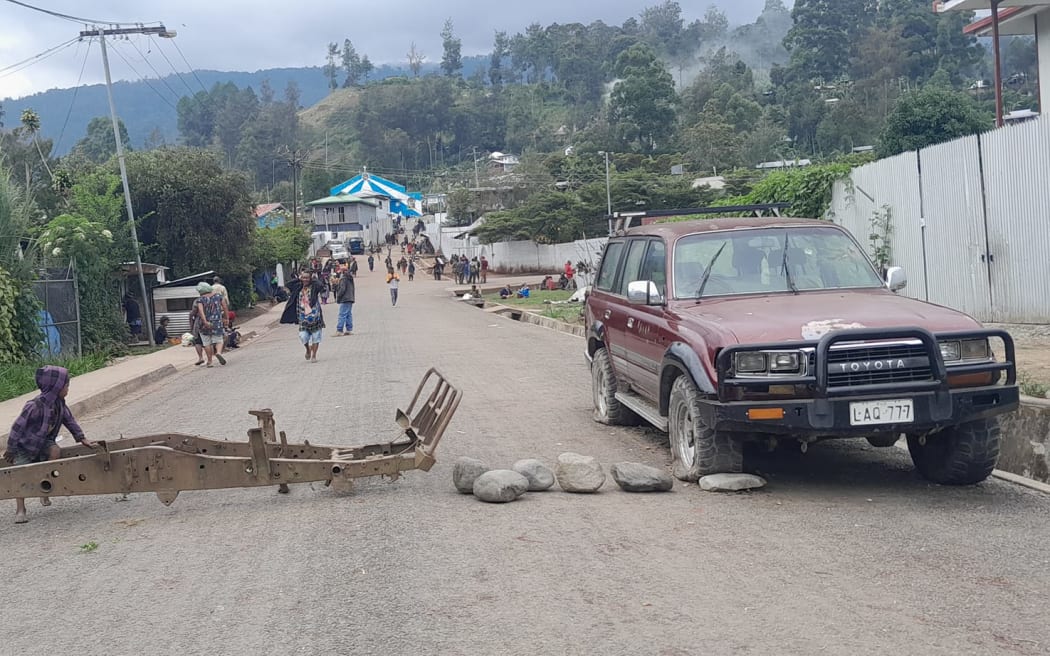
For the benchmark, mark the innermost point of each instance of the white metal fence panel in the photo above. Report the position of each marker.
(1016, 170)
(890, 184)
(956, 271)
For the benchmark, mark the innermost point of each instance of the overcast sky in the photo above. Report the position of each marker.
(248, 36)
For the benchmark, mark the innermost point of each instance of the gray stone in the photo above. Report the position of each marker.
(731, 482)
(500, 486)
(539, 475)
(578, 473)
(466, 472)
(636, 477)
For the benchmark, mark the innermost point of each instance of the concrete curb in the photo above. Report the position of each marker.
(1010, 477)
(102, 398)
(525, 316)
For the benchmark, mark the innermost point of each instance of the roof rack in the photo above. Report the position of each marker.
(619, 222)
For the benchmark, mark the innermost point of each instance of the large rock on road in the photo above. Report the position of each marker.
(500, 486)
(578, 473)
(636, 477)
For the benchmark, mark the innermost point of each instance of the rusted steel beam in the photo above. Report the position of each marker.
(169, 463)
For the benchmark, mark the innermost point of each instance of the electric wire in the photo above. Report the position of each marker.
(11, 69)
(175, 70)
(155, 71)
(76, 90)
(74, 19)
(179, 50)
(135, 71)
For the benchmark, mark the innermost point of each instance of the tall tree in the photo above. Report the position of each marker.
(643, 101)
(98, 144)
(351, 64)
(415, 59)
(824, 34)
(331, 67)
(500, 51)
(452, 46)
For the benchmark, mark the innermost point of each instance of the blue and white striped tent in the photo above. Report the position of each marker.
(367, 185)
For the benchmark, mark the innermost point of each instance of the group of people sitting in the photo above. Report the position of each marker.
(523, 292)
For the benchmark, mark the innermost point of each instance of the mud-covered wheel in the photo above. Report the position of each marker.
(958, 455)
(696, 449)
(607, 410)
(883, 441)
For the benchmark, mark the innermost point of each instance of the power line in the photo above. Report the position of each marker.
(179, 50)
(71, 18)
(155, 71)
(153, 88)
(29, 61)
(175, 70)
(76, 90)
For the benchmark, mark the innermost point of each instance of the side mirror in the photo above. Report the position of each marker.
(896, 279)
(644, 292)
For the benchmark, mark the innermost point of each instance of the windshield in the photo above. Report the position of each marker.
(771, 260)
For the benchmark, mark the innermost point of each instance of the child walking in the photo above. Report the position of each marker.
(392, 281)
(33, 434)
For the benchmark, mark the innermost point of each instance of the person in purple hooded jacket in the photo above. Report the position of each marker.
(32, 437)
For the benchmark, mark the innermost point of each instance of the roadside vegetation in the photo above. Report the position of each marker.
(19, 379)
(550, 304)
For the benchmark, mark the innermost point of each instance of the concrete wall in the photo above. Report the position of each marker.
(1026, 439)
(530, 257)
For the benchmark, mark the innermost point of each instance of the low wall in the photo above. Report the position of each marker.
(530, 257)
(1026, 440)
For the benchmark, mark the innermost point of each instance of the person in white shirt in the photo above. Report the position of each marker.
(220, 289)
(392, 281)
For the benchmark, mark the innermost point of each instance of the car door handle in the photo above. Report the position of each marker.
(608, 313)
(630, 322)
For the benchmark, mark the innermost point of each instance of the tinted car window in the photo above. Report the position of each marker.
(633, 264)
(654, 267)
(610, 262)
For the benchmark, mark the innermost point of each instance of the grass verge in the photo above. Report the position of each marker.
(18, 379)
(541, 303)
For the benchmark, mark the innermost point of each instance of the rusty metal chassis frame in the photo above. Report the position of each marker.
(171, 462)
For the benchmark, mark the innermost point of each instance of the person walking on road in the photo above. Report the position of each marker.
(213, 314)
(32, 437)
(371, 262)
(345, 295)
(304, 308)
(392, 281)
(218, 288)
(484, 270)
(411, 271)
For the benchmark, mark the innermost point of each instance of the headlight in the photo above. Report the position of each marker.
(751, 363)
(784, 362)
(974, 349)
(967, 349)
(951, 351)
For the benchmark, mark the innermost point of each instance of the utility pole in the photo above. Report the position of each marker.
(295, 160)
(101, 33)
(998, 65)
(608, 190)
(477, 182)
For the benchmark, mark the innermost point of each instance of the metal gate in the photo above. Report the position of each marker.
(59, 316)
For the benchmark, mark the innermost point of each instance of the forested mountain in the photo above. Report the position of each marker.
(147, 107)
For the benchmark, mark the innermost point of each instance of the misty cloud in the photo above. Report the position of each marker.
(240, 35)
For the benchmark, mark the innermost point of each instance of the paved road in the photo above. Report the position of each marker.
(846, 552)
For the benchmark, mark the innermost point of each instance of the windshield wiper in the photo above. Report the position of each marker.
(707, 272)
(787, 268)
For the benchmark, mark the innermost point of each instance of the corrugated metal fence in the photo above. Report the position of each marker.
(969, 220)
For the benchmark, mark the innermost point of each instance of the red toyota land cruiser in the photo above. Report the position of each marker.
(722, 331)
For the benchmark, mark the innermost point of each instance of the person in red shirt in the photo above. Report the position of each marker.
(484, 270)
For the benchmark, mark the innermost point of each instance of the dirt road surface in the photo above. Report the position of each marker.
(845, 552)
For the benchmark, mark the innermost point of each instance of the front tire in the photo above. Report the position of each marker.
(958, 455)
(696, 449)
(607, 410)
